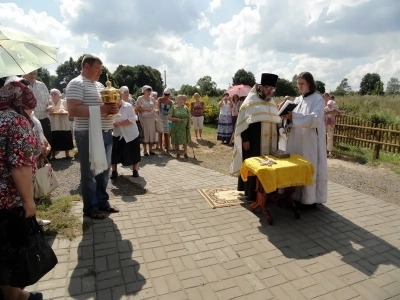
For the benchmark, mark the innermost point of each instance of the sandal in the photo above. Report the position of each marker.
(68, 157)
(111, 209)
(152, 153)
(185, 155)
(96, 215)
(146, 154)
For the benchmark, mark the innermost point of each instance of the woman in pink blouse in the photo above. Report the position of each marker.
(197, 110)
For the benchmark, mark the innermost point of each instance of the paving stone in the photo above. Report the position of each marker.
(170, 244)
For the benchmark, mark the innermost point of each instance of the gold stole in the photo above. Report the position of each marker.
(269, 138)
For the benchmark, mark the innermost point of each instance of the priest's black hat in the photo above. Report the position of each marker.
(269, 79)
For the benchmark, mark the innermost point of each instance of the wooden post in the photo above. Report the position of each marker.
(377, 147)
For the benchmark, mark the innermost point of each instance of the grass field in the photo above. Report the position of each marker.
(214, 155)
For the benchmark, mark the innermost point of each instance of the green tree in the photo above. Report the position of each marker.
(68, 70)
(371, 84)
(207, 86)
(378, 89)
(285, 88)
(393, 86)
(43, 75)
(188, 90)
(343, 88)
(320, 86)
(243, 77)
(138, 76)
(294, 82)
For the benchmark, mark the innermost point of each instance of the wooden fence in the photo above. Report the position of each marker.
(355, 132)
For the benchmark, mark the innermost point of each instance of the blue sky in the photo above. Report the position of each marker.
(190, 39)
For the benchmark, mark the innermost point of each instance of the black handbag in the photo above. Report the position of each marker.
(35, 258)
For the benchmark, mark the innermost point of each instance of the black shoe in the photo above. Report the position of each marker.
(114, 175)
(35, 296)
(135, 173)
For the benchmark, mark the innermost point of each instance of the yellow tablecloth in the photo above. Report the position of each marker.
(292, 171)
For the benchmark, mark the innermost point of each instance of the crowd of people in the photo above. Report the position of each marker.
(37, 124)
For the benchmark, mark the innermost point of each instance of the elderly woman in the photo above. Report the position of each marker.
(225, 128)
(61, 134)
(197, 110)
(164, 104)
(19, 149)
(147, 109)
(126, 140)
(126, 96)
(179, 114)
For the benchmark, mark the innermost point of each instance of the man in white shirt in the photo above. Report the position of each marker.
(84, 91)
(44, 103)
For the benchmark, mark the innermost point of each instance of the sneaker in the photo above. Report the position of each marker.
(43, 222)
(135, 173)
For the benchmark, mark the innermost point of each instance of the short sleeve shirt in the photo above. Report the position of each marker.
(81, 88)
(18, 147)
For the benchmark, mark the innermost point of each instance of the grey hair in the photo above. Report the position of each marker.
(55, 91)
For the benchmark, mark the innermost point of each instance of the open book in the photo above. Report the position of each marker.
(288, 106)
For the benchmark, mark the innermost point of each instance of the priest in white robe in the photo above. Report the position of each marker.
(256, 130)
(307, 138)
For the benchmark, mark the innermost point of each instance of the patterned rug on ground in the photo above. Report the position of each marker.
(222, 196)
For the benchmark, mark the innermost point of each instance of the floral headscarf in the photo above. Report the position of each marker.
(18, 96)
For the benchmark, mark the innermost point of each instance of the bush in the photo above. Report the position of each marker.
(211, 109)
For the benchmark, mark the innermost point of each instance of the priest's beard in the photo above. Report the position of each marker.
(263, 96)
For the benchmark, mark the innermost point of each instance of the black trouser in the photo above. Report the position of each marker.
(12, 227)
(46, 129)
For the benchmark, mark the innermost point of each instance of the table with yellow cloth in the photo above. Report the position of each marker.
(287, 172)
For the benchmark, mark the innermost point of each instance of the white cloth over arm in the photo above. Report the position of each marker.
(128, 132)
(97, 151)
(307, 138)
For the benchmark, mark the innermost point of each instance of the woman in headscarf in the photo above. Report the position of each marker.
(126, 140)
(19, 149)
(126, 96)
(61, 134)
(146, 106)
(179, 114)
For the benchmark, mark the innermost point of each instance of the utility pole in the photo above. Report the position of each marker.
(165, 78)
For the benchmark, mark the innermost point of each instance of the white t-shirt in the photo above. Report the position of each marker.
(81, 88)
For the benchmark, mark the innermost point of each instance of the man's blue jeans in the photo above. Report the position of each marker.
(93, 188)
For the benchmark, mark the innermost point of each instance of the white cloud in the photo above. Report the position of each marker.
(386, 66)
(331, 39)
(214, 5)
(46, 27)
(203, 22)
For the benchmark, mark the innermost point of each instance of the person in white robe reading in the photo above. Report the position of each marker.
(307, 138)
(256, 130)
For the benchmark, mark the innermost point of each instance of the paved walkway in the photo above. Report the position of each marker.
(170, 244)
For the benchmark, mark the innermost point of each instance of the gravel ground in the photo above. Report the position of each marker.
(68, 175)
(381, 183)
